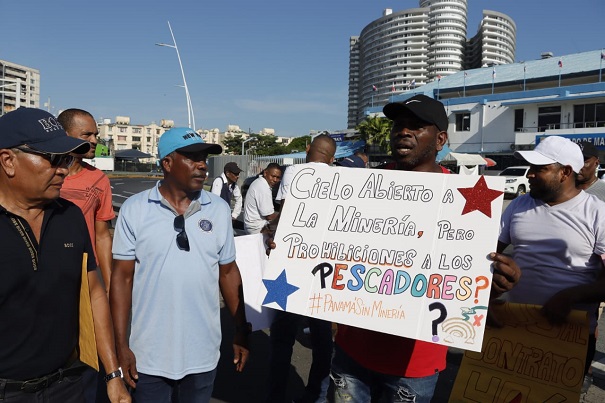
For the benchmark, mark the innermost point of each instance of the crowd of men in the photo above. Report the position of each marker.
(154, 290)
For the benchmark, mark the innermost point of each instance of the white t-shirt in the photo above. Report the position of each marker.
(556, 247)
(257, 206)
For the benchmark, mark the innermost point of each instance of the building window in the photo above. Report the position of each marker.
(121, 138)
(549, 117)
(518, 120)
(463, 122)
(590, 115)
(123, 129)
(148, 130)
(136, 130)
(136, 138)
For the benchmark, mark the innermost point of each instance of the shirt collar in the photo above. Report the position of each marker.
(202, 199)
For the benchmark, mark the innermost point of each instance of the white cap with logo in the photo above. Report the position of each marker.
(554, 149)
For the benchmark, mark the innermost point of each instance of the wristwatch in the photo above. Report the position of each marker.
(114, 374)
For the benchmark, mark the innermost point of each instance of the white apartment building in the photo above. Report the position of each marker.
(406, 49)
(121, 135)
(19, 86)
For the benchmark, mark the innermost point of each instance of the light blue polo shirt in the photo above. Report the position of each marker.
(176, 327)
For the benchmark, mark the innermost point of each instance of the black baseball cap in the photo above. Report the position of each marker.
(424, 108)
(588, 149)
(232, 167)
(38, 130)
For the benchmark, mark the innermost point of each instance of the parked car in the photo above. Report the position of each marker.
(516, 180)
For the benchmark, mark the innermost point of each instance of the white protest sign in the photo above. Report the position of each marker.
(404, 253)
(251, 260)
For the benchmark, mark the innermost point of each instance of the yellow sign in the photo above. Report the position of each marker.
(527, 360)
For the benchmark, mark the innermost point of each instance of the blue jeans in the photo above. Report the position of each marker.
(356, 384)
(194, 388)
(282, 337)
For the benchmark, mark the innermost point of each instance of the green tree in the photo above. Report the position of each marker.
(299, 144)
(233, 144)
(376, 131)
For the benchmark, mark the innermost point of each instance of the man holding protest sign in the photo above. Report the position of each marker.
(285, 324)
(558, 238)
(367, 362)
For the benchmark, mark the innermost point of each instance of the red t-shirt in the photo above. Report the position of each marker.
(388, 354)
(90, 190)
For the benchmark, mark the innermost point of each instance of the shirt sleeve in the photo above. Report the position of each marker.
(265, 202)
(237, 208)
(105, 210)
(217, 185)
(505, 220)
(284, 186)
(124, 238)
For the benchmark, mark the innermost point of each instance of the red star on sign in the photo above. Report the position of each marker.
(479, 197)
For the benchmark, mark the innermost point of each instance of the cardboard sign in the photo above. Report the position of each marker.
(404, 253)
(527, 360)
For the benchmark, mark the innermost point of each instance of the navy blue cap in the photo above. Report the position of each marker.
(184, 139)
(352, 161)
(39, 130)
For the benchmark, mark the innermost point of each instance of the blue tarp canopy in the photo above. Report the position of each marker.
(343, 149)
(444, 151)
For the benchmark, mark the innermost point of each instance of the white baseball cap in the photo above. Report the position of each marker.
(554, 149)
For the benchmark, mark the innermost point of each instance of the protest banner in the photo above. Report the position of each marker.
(404, 253)
(527, 360)
(251, 260)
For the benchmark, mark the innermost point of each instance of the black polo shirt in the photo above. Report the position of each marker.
(40, 289)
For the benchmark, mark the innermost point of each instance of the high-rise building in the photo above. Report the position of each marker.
(19, 86)
(406, 49)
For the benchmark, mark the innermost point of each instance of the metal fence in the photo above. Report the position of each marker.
(251, 164)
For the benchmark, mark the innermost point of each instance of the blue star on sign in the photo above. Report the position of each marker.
(278, 290)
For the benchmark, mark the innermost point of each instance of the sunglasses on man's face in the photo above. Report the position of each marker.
(56, 160)
(181, 238)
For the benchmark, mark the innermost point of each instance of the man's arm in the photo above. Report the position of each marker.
(237, 207)
(217, 185)
(104, 335)
(230, 283)
(120, 297)
(559, 305)
(103, 250)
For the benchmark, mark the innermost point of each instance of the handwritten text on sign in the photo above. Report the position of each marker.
(403, 253)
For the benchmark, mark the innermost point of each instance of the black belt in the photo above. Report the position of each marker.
(37, 384)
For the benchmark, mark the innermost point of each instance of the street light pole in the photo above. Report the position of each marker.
(245, 141)
(190, 115)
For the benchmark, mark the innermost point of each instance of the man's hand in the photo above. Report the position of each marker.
(240, 347)
(558, 307)
(116, 391)
(128, 363)
(506, 274)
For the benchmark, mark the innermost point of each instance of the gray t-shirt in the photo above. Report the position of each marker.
(597, 189)
(556, 247)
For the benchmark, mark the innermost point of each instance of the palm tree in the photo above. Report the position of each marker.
(376, 131)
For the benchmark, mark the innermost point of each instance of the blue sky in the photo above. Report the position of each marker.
(279, 64)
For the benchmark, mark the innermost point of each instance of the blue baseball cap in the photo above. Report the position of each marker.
(184, 139)
(38, 130)
(352, 161)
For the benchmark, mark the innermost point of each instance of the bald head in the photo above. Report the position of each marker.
(322, 149)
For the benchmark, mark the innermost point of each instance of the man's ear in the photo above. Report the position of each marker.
(7, 161)
(167, 163)
(441, 140)
(567, 171)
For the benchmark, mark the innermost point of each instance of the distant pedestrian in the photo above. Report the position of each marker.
(259, 211)
(174, 254)
(225, 186)
(587, 179)
(89, 188)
